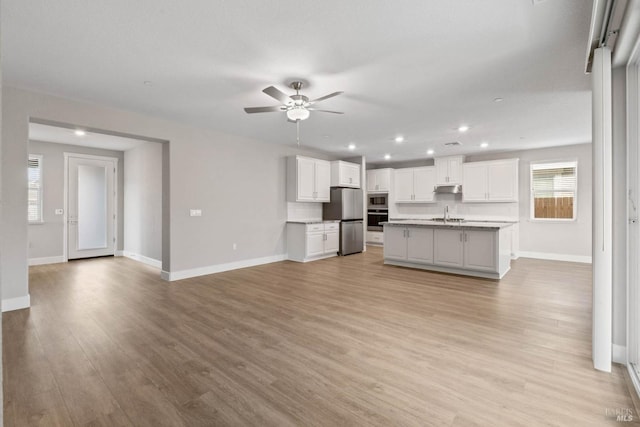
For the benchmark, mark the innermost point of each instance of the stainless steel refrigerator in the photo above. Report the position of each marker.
(346, 206)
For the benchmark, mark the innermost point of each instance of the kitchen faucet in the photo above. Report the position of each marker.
(446, 213)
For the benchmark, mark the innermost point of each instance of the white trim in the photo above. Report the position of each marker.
(218, 268)
(634, 378)
(556, 257)
(143, 259)
(65, 232)
(619, 354)
(47, 260)
(119, 253)
(18, 303)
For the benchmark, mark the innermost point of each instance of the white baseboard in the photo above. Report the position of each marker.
(218, 268)
(619, 354)
(47, 260)
(19, 303)
(556, 257)
(143, 259)
(118, 253)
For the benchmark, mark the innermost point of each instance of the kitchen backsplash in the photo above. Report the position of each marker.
(299, 211)
(485, 211)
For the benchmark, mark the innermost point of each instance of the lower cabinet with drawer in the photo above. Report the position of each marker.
(309, 242)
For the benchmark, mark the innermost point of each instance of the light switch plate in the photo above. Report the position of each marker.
(195, 212)
(59, 211)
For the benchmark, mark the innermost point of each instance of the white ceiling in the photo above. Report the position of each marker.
(60, 135)
(411, 67)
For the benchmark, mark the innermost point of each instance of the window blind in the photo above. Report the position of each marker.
(34, 212)
(554, 181)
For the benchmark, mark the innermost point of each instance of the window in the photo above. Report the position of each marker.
(34, 212)
(554, 190)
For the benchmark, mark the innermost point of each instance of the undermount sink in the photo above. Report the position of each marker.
(448, 219)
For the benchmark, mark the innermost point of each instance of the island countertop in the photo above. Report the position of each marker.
(493, 225)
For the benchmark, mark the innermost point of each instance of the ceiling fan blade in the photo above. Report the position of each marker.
(277, 94)
(252, 110)
(325, 111)
(331, 95)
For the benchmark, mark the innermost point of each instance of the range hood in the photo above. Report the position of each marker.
(448, 189)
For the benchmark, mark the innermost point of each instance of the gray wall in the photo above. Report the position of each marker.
(46, 239)
(143, 201)
(239, 183)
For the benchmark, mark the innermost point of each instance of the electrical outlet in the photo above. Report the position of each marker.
(195, 212)
(59, 211)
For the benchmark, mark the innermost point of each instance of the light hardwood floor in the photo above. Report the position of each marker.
(343, 341)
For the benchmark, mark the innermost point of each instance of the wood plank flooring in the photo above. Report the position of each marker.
(338, 342)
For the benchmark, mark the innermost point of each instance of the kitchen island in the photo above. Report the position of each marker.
(472, 248)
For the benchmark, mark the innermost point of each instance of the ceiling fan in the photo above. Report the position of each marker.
(297, 107)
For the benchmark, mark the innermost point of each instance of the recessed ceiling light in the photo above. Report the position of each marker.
(80, 132)
(430, 152)
(399, 139)
(387, 156)
(484, 145)
(498, 99)
(352, 146)
(148, 83)
(463, 128)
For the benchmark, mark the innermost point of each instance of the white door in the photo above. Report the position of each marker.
(474, 182)
(424, 179)
(323, 181)
(371, 180)
(383, 179)
(447, 247)
(395, 243)
(404, 185)
(332, 242)
(306, 179)
(315, 244)
(454, 168)
(420, 244)
(502, 181)
(442, 171)
(90, 207)
(480, 250)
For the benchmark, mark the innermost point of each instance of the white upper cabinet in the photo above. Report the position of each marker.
(308, 180)
(345, 174)
(415, 185)
(492, 181)
(378, 180)
(449, 170)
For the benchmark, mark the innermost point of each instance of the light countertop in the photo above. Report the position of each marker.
(313, 221)
(494, 225)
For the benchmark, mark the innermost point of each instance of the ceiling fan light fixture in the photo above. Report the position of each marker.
(298, 113)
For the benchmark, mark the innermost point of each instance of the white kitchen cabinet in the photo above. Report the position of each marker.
(414, 185)
(395, 243)
(492, 181)
(379, 180)
(308, 179)
(412, 244)
(449, 170)
(375, 237)
(345, 174)
(480, 250)
(448, 247)
(308, 242)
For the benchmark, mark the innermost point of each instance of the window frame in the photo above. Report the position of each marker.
(40, 190)
(532, 210)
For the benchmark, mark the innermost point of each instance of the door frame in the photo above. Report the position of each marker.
(65, 228)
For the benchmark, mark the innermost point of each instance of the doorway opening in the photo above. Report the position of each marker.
(92, 183)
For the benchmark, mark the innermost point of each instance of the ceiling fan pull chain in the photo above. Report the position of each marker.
(298, 132)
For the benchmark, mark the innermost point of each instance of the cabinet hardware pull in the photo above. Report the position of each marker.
(408, 233)
(465, 237)
(461, 237)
